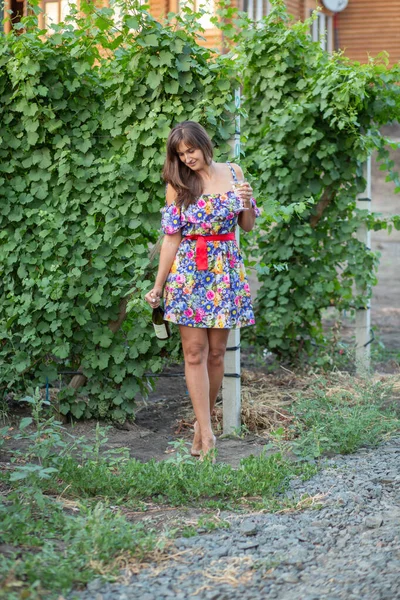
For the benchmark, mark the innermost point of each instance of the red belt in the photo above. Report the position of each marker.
(201, 246)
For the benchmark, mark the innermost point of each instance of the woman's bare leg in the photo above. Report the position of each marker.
(195, 349)
(217, 341)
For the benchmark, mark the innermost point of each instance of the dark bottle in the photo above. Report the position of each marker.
(161, 327)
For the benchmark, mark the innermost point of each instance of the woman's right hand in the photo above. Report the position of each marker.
(153, 297)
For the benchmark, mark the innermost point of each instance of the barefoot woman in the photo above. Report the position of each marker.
(206, 292)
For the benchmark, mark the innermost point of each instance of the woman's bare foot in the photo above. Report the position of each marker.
(196, 446)
(208, 449)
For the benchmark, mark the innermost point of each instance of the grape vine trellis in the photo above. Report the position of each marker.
(85, 115)
(84, 118)
(313, 119)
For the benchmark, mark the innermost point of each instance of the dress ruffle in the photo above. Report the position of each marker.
(198, 214)
(172, 219)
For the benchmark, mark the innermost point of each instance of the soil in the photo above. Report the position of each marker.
(165, 416)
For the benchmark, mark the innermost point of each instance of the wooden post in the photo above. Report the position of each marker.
(231, 389)
(363, 316)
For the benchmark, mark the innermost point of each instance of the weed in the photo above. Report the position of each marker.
(237, 432)
(46, 441)
(60, 550)
(180, 481)
(210, 523)
(205, 524)
(4, 413)
(343, 420)
(267, 565)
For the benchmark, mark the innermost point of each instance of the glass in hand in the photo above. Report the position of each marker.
(236, 185)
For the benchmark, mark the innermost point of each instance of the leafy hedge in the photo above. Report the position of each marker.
(85, 113)
(313, 119)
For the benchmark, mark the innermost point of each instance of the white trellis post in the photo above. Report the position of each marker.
(231, 392)
(363, 316)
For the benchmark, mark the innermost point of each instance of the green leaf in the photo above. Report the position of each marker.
(150, 40)
(95, 297)
(154, 79)
(171, 87)
(82, 66)
(62, 351)
(32, 137)
(184, 63)
(18, 475)
(119, 354)
(105, 341)
(131, 22)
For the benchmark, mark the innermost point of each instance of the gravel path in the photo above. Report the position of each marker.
(349, 549)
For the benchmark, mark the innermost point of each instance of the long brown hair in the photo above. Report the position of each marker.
(187, 183)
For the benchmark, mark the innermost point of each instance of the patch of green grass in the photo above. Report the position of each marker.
(50, 550)
(341, 419)
(57, 518)
(55, 550)
(192, 482)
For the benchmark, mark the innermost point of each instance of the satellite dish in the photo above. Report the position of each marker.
(335, 5)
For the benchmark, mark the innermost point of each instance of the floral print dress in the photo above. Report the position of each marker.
(218, 297)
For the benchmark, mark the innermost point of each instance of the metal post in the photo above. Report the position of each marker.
(363, 316)
(250, 9)
(259, 10)
(322, 30)
(231, 389)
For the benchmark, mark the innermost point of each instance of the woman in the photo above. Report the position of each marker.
(206, 292)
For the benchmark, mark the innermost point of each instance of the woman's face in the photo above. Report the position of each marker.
(192, 157)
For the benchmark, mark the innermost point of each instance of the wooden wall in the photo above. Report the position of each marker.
(366, 27)
(295, 8)
(160, 8)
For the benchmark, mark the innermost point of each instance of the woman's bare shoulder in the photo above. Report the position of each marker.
(171, 194)
(238, 170)
(224, 165)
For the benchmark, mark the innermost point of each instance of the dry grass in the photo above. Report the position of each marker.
(266, 398)
(232, 570)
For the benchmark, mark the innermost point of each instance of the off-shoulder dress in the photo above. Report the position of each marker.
(218, 296)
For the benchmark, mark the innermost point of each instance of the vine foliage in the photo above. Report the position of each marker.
(313, 119)
(85, 113)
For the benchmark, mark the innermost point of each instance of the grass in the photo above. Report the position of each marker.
(65, 506)
(190, 482)
(50, 549)
(340, 418)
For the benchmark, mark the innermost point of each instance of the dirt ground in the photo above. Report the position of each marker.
(167, 415)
